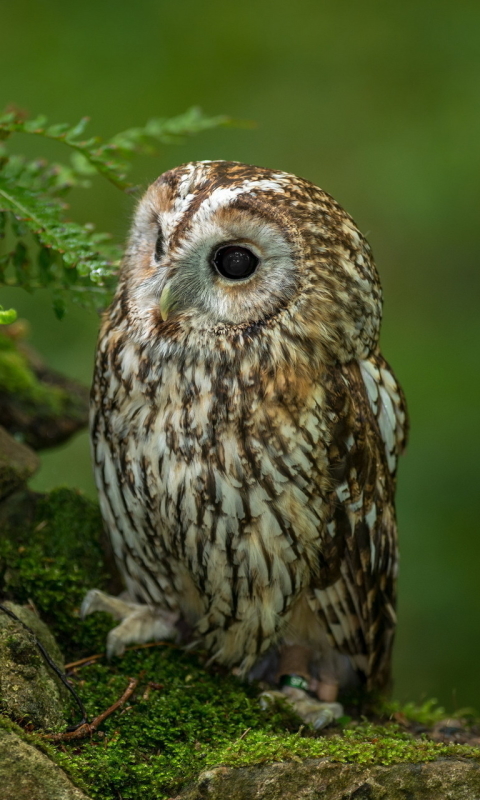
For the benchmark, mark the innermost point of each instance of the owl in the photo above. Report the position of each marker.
(245, 433)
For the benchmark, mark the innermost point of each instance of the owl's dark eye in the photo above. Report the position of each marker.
(159, 246)
(234, 262)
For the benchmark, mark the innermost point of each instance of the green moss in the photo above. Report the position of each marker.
(183, 717)
(53, 562)
(169, 732)
(196, 719)
(31, 738)
(363, 744)
(18, 378)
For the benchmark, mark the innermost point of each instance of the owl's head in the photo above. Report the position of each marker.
(236, 251)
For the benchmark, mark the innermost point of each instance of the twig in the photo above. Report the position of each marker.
(82, 661)
(151, 685)
(90, 727)
(243, 735)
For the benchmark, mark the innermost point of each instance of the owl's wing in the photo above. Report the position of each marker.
(356, 587)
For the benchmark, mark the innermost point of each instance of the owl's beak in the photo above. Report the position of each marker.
(167, 302)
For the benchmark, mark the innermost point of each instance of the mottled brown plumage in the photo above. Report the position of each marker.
(246, 432)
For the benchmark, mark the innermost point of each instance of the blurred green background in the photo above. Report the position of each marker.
(378, 103)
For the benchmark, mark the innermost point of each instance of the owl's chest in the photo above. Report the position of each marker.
(223, 466)
(226, 427)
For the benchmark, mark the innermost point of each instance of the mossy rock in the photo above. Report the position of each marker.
(17, 463)
(30, 691)
(185, 720)
(28, 774)
(37, 404)
(315, 779)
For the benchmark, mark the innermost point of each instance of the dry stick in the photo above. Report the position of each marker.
(95, 657)
(243, 735)
(90, 727)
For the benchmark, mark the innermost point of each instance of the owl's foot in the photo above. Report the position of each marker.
(312, 711)
(139, 623)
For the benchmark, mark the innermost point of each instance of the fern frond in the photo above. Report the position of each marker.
(49, 250)
(76, 243)
(112, 158)
(71, 259)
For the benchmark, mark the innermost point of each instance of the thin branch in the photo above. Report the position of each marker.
(90, 727)
(82, 661)
(243, 735)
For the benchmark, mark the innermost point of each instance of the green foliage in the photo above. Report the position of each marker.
(171, 729)
(47, 249)
(427, 713)
(7, 316)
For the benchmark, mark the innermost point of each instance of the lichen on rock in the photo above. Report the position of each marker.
(30, 692)
(315, 779)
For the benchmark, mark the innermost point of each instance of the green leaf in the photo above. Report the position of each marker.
(7, 316)
(44, 261)
(18, 228)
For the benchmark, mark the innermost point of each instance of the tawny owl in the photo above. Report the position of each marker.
(246, 430)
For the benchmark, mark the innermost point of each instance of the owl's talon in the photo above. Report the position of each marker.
(139, 623)
(96, 600)
(114, 645)
(327, 716)
(310, 710)
(88, 603)
(268, 699)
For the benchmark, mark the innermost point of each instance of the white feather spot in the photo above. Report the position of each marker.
(370, 385)
(343, 492)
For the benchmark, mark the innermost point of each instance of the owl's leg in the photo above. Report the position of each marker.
(298, 687)
(139, 623)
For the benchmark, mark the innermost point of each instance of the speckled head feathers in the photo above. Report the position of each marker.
(315, 272)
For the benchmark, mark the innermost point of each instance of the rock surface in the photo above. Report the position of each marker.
(322, 779)
(30, 692)
(17, 463)
(37, 403)
(28, 774)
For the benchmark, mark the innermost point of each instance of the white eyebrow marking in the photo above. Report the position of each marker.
(224, 195)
